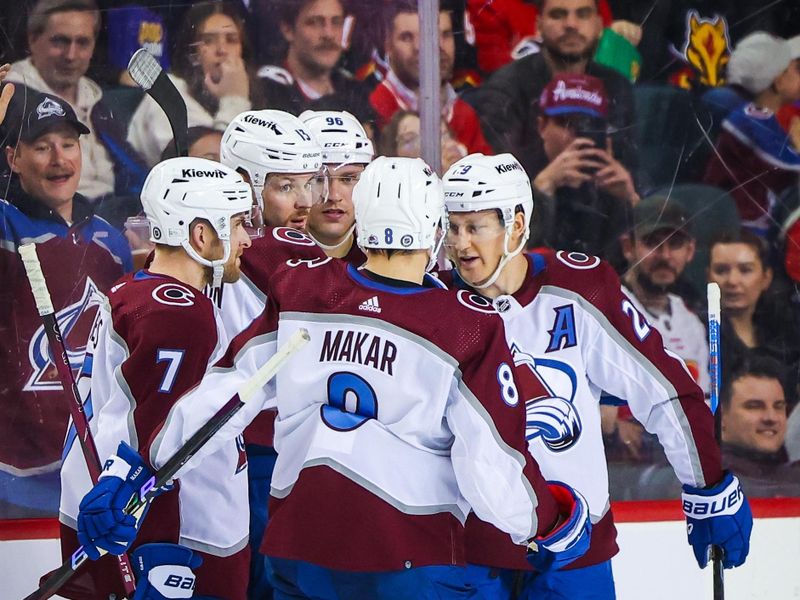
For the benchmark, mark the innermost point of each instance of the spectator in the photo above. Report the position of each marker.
(203, 142)
(61, 37)
(211, 71)
(309, 77)
(400, 89)
(583, 195)
(401, 137)
(657, 250)
(738, 263)
(753, 402)
(80, 254)
(508, 101)
(753, 160)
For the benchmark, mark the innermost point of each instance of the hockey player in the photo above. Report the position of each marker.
(568, 321)
(394, 421)
(346, 151)
(154, 338)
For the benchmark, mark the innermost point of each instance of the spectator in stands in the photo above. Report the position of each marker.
(657, 250)
(80, 254)
(400, 89)
(508, 101)
(211, 69)
(751, 319)
(583, 195)
(61, 38)
(401, 137)
(309, 77)
(753, 402)
(754, 160)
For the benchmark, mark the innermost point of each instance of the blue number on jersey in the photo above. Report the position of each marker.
(335, 414)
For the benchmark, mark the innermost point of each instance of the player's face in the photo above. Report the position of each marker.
(330, 221)
(474, 242)
(740, 275)
(62, 52)
(570, 28)
(402, 47)
(288, 198)
(756, 417)
(661, 256)
(239, 241)
(316, 38)
(217, 42)
(49, 168)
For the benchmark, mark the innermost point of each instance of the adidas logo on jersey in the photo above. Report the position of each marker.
(370, 305)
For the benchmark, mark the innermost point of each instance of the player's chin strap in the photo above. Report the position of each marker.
(327, 247)
(507, 256)
(217, 266)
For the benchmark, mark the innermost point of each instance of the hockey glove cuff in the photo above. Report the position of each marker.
(718, 516)
(164, 571)
(570, 539)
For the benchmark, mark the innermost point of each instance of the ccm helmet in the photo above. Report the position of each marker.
(340, 135)
(180, 190)
(399, 206)
(479, 182)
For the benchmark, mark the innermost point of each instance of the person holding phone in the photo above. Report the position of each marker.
(584, 195)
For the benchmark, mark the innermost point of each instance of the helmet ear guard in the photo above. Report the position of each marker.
(180, 190)
(478, 182)
(399, 206)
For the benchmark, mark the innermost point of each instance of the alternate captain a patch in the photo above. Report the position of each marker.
(563, 335)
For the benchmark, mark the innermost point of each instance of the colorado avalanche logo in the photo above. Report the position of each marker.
(292, 236)
(39, 349)
(553, 419)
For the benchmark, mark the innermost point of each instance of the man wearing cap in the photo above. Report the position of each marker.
(754, 160)
(658, 250)
(583, 196)
(61, 38)
(507, 101)
(80, 254)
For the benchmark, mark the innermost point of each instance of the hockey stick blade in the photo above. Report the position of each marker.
(148, 74)
(44, 305)
(161, 477)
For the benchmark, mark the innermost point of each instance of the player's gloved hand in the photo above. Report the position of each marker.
(164, 571)
(102, 522)
(719, 516)
(570, 539)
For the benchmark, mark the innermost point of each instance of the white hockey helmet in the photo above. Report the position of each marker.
(179, 190)
(479, 182)
(262, 142)
(399, 206)
(340, 135)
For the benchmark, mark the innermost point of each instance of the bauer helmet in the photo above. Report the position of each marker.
(340, 135)
(261, 142)
(479, 182)
(179, 190)
(399, 206)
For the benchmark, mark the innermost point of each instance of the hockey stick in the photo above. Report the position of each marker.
(44, 305)
(161, 477)
(148, 74)
(714, 371)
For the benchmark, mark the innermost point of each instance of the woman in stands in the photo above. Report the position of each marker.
(212, 71)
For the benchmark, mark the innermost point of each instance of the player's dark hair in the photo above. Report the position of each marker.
(750, 363)
(747, 238)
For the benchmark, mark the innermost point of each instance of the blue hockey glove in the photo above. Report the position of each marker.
(102, 522)
(570, 539)
(718, 516)
(164, 571)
